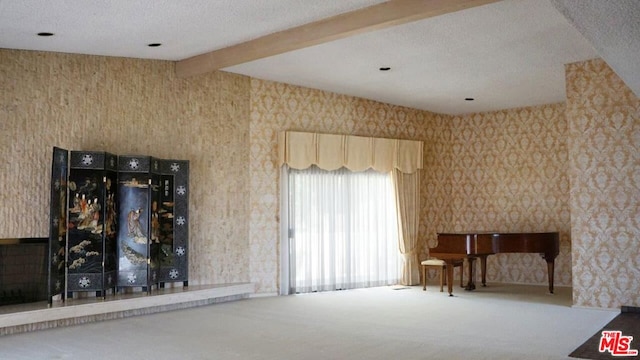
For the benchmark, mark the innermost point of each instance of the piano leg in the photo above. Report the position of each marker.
(471, 284)
(483, 269)
(550, 267)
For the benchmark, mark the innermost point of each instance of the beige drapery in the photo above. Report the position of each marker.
(407, 194)
(299, 150)
(401, 158)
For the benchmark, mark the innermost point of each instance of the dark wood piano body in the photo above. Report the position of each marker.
(479, 245)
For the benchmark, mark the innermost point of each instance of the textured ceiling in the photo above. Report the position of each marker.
(613, 28)
(504, 55)
(124, 27)
(507, 54)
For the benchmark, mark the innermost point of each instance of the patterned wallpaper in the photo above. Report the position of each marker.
(132, 107)
(502, 171)
(604, 127)
(507, 171)
(571, 168)
(276, 107)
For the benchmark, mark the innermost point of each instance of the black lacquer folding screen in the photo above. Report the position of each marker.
(91, 222)
(58, 224)
(117, 222)
(173, 216)
(138, 239)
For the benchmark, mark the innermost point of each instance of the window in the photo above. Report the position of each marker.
(343, 230)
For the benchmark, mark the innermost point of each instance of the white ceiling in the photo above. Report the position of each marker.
(507, 54)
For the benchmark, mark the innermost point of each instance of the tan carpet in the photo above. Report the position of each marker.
(497, 322)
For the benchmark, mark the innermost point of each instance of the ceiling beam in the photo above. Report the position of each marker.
(376, 17)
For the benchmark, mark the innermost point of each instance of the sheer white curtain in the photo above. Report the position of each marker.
(343, 230)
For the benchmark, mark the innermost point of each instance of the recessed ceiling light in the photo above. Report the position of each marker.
(385, 68)
(45, 34)
(469, 99)
(154, 45)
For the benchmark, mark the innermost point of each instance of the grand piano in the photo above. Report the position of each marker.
(454, 247)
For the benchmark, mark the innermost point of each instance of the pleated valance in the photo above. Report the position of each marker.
(299, 150)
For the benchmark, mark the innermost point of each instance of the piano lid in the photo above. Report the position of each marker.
(492, 242)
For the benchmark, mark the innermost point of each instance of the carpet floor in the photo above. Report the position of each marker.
(497, 322)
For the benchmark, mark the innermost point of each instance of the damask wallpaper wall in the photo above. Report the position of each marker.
(604, 166)
(502, 171)
(507, 171)
(571, 167)
(276, 107)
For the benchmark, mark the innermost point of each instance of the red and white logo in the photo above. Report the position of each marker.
(616, 343)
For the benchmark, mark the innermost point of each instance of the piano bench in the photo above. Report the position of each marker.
(441, 266)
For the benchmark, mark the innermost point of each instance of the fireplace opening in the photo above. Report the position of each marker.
(23, 270)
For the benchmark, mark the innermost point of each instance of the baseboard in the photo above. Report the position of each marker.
(595, 308)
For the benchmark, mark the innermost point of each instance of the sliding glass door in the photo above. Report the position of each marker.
(342, 230)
